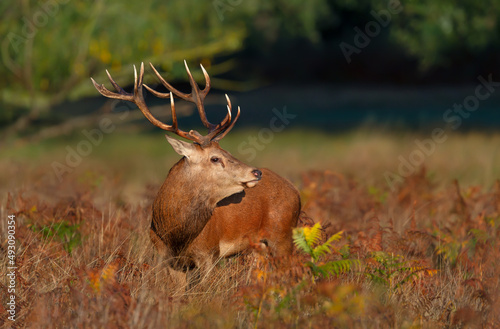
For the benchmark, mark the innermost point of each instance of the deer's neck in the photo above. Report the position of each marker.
(181, 210)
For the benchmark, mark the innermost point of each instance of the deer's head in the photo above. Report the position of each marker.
(204, 162)
(215, 168)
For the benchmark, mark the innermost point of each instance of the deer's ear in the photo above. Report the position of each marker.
(181, 147)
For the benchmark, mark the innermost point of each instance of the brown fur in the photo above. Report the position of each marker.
(265, 214)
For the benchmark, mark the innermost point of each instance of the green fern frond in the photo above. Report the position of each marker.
(299, 239)
(320, 251)
(325, 248)
(378, 279)
(334, 268)
(312, 234)
(306, 239)
(345, 251)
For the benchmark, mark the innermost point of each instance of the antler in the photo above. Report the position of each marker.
(197, 96)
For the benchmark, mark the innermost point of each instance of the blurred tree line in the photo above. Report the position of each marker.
(50, 48)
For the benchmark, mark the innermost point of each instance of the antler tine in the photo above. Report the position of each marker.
(157, 93)
(139, 100)
(198, 96)
(138, 96)
(170, 88)
(192, 134)
(121, 94)
(225, 124)
(228, 129)
(207, 81)
(115, 85)
(174, 115)
(227, 119)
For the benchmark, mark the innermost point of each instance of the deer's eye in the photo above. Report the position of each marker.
(215, 159)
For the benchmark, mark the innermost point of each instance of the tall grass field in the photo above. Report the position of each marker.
(397, 231)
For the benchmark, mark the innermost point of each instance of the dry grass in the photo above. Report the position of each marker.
(429, 250)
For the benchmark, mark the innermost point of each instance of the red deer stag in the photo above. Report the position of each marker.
(211, 204)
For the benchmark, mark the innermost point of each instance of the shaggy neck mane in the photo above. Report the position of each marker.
(181, 210)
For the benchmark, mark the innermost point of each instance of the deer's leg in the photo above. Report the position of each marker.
(280, 239)
(178, 277)
(283, 246)
(204, 264)
(158, 244)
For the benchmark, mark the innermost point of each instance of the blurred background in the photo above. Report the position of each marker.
(356, 81)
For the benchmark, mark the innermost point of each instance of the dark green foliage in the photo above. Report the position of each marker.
(439, 33)
(50, 49)
(43, 63)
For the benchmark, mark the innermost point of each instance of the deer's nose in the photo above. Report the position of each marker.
(257, 173)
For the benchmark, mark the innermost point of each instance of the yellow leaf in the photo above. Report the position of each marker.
(431, 272)
(108, 273)
(260, 274)
(95, 282)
